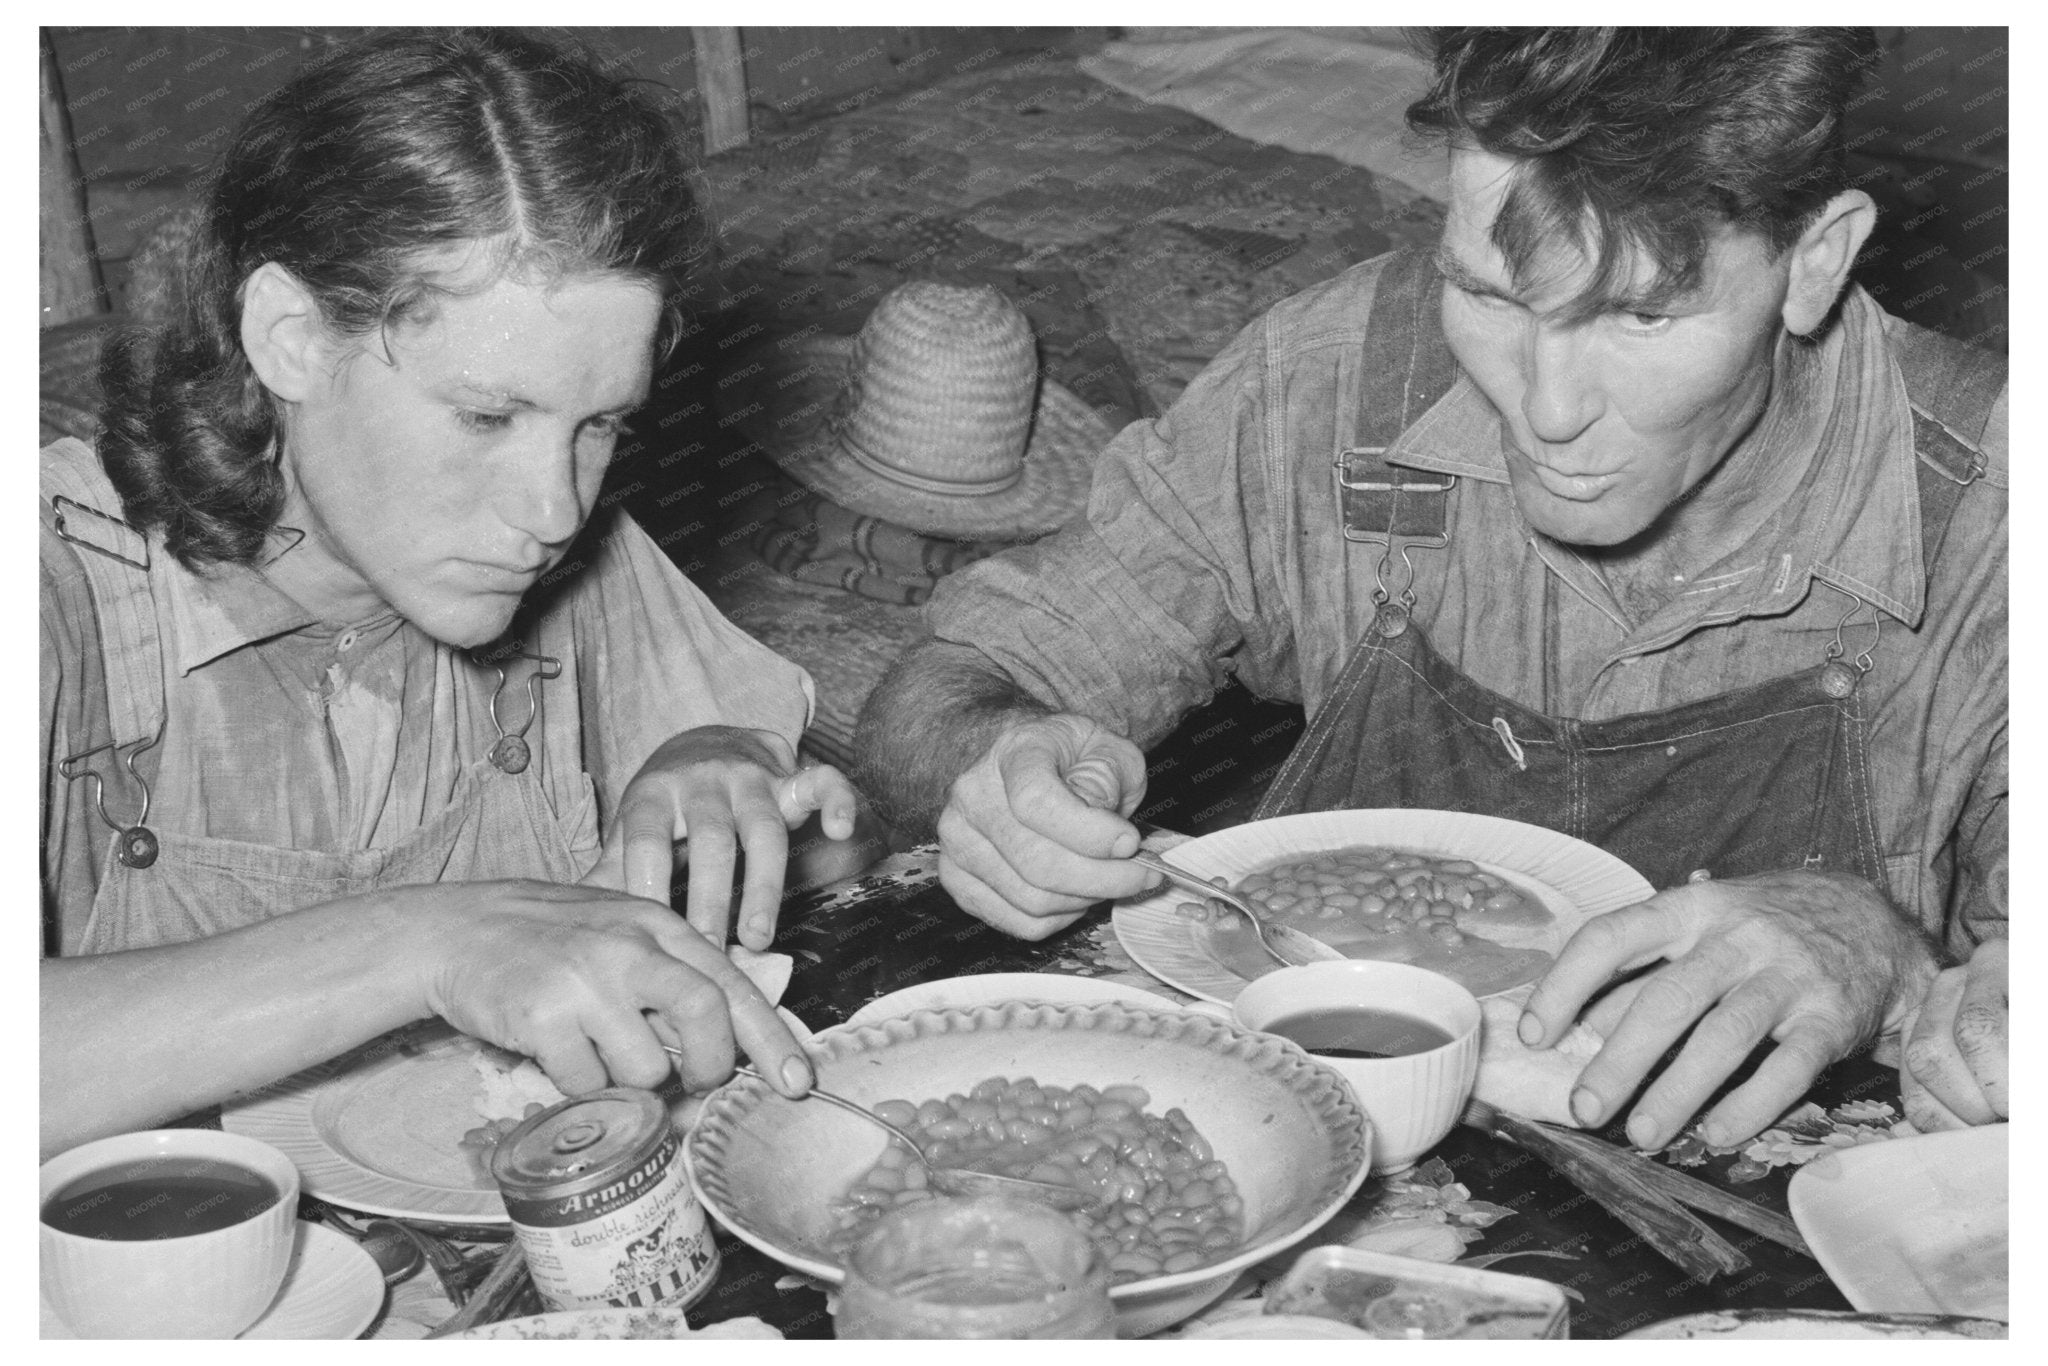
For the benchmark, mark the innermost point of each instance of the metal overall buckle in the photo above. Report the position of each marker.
(1391, 610)
(60, 525)
(1840, 677)
(511, 753)
(138, 843)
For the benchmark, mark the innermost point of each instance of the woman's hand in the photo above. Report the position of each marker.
(592, 983)
(721, 789)
(1952, 1070)
(1817, 962)
(1035, 831)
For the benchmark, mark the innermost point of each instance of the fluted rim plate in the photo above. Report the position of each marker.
(1235, 1067)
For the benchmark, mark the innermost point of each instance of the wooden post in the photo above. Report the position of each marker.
(71, 286)
(722, 86)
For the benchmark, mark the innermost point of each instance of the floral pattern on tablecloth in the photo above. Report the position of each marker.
(1798, 1137)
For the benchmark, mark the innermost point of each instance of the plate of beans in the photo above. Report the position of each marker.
(1485, 901)
(1210, 1148)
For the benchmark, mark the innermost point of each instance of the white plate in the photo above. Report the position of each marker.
(614, 1324)
(1915, 1225)
(379, 1129)
(980, 989)
(331, 1289)
(1572, 878)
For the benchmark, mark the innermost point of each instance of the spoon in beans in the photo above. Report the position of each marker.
(962, 1181)
(1288, 946)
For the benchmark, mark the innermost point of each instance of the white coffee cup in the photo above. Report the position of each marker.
(1412, 1101)
(199, 1285)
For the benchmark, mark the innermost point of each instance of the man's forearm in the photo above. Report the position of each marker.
(935, 712)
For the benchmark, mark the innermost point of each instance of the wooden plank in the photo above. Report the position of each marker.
(722, 86)
(71, 286)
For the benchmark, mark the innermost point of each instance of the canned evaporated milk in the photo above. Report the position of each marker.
(596, 1192)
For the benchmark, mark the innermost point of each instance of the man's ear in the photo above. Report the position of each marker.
(283, 333)
(1822, 256)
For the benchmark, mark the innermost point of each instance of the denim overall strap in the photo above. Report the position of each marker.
(78, 502)
(79, 506)
(1406, 367)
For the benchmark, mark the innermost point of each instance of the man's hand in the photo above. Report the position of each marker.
(592, 983)
(1818, 962)
(1952, 1070)
(721, 789)
(1034, 832)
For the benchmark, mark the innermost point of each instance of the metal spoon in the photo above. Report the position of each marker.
(396, 1255)
(1288, 946)
(961, 1180)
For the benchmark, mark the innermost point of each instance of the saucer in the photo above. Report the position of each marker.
(331, 1290)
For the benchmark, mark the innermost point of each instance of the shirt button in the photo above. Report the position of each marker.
(348, 640)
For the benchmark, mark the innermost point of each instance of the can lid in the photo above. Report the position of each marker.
(585, 1135)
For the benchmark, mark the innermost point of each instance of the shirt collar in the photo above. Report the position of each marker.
(1856, 525)
(221, 610)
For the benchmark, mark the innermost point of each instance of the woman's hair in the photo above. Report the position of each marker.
(354, 176)
(1637, 143)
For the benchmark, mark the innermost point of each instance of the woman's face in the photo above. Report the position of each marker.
(440, 470)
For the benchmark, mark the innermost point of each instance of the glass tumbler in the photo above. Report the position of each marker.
(980, 1268)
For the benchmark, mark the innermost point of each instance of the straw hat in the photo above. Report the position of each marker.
(934, 417)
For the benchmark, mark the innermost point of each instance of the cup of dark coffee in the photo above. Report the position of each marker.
(168, 1233)
(1407, 1040)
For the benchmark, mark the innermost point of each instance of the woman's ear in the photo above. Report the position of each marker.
(1822, 256)
(283, 333)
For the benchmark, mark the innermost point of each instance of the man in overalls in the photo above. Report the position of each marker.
(1622, 513)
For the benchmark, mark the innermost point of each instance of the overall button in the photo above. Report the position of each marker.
(1390, 620)
(138, 847)
(1838, 680)
(511, 754)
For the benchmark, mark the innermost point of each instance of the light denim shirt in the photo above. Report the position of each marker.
(1212, 545)
(287, 734)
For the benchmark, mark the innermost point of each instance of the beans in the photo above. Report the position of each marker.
(1386, 885)
(1162, 1192)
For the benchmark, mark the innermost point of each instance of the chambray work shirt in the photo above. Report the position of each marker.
(286, 733)
(1212, 544)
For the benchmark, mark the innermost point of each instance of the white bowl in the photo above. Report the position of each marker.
(1290, 1130)
(1413, 1100)
(200, 1285)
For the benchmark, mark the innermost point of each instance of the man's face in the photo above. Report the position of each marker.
(1610, 420)
(441, 477)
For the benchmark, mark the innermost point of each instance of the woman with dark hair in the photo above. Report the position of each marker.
(332, 624)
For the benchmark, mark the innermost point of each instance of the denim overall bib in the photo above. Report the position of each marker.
(161, 887)
(1769, 777)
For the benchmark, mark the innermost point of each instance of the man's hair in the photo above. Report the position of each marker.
(1636, 144)
(356, 176)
